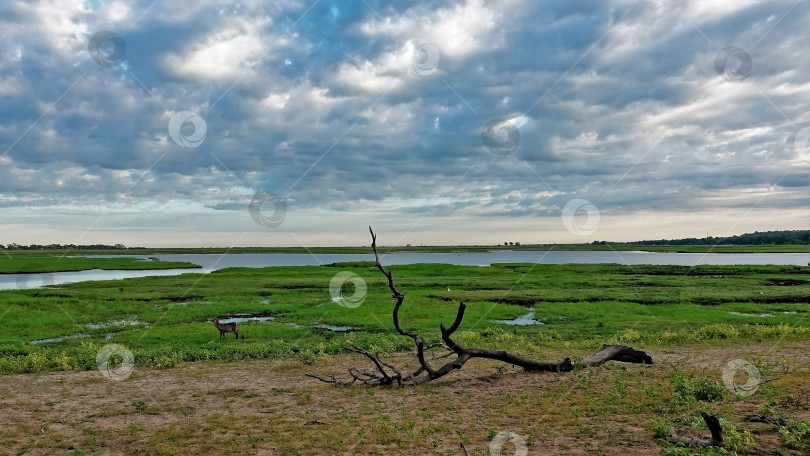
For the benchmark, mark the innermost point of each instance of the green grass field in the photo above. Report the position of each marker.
(691, 320)
(166, 320)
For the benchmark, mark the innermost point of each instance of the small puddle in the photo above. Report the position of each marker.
(111, 328)
(244, 318)
(58, 339)
(261, 318)
(124, 322)
(335, 328)
(743, 314)
(523, 320)
(163, 306)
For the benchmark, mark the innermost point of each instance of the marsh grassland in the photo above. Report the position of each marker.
(192, 393)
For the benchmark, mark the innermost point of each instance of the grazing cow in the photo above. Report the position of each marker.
(226, 328)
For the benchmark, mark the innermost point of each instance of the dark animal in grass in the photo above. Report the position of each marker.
(226, 328)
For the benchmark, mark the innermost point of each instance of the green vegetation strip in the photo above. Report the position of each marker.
(166, 320)
(27, 263)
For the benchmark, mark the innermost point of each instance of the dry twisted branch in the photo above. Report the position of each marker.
(387, 374)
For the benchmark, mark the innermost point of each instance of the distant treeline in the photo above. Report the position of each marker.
(13, 246)
(785, 237)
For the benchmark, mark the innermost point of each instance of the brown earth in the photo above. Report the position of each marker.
(271, 408)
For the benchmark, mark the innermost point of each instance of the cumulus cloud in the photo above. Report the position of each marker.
(375, 111)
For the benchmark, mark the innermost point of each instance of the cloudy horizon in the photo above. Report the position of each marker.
(285, 123)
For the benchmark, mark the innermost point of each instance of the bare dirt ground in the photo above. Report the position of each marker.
(272, 408)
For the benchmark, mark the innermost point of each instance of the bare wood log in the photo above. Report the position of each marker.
(757, 418)
(714, 427)
(388, 374)
(620, 353)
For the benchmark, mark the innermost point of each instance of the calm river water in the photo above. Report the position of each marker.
(213, 262)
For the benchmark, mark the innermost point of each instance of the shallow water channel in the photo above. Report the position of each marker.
(214, 262)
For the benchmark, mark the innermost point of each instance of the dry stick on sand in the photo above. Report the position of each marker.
(388, 374)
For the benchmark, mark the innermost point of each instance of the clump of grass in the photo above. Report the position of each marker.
(20, 357)
(701, 389)
(711, 451)
(796, 435)
(734, 439)
(717, 331)
(140, 405)
(661, 429)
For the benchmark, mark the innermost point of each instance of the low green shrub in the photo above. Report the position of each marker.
(796, 435)
(690, 389)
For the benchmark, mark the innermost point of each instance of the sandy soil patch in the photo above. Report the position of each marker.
(271, 407)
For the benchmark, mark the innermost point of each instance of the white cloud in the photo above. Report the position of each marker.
(226, 54)
(458, 30)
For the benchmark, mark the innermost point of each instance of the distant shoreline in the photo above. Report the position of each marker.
(768, 248)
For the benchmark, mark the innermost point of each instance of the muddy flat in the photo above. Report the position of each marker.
(272, 408)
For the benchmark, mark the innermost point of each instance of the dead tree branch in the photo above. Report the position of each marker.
(387, 374)
(714, 427)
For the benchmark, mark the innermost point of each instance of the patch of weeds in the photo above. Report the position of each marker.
(461, 433)
(531, 440)
(491, 434)
(253, 440)
(691, 389)
(735, 439)
(139, 405)
(407, 427)
(796, 435)
(302, 398)
(681, 451)
(661, 429)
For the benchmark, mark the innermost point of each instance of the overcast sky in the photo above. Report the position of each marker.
(215, 123)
